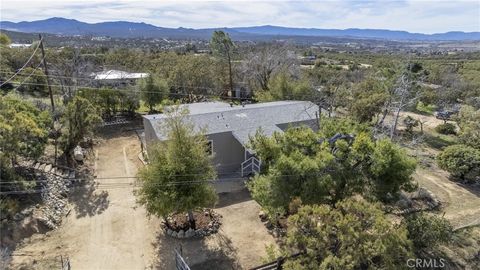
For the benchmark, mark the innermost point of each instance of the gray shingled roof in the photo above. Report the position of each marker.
(242, 121)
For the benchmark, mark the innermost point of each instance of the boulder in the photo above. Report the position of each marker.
(424, 193)
(181, 234)
(190, 233)
(78, 153)
(404, 203)
(262, 215)
(268, 224)
(48, 168)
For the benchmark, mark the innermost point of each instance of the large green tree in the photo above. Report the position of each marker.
(469, 122)
(23, 128)
(23, 133)
(352, 235)
(179, 170)
(5, 40)
(223, 47)
(79, 121)
(153, 91)
(283, 87)
(317, 169)
(368, 99)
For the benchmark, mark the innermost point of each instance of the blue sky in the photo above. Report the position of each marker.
(424, 16)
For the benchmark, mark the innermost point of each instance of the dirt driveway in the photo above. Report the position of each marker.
(106, 229)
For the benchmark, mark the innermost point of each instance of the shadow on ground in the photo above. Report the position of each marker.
(115, 131)
(472, 188)
(210, 253)
(87, 202)
(227, 199)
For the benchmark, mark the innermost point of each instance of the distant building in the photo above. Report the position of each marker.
(117, 77)
(19, 45)
(229, 127)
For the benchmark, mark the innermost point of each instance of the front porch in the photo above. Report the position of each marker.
(235, 181)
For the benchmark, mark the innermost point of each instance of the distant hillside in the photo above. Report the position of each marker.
(62, 26)
(359, 33)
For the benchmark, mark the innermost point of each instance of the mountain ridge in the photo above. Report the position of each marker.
(64, 26)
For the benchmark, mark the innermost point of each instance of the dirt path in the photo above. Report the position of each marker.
(461, 204)
(105, 230)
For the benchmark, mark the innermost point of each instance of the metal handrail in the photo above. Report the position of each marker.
(253, 162)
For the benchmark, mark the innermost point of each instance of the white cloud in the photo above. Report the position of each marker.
(426, 16)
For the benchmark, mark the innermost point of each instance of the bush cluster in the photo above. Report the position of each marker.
(461, 161)
(447, 129)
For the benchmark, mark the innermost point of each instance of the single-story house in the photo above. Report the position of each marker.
(117, 77)
(229, 127)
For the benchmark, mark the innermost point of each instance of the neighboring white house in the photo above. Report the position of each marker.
(117, 77)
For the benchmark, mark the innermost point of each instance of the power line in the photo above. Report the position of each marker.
(33, 71)
(26, 63)
(171, 94)
(98, 81)
(294, 97)
(121, 177)
(140, 91)
(116, 185)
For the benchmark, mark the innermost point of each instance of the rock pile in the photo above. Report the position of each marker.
(275, 231)
(201, 231)
(54, 194)
(55, 182)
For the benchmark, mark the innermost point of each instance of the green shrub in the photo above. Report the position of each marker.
(447, 129)
(426, 231)
(461, 162)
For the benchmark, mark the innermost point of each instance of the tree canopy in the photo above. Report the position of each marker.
(4, 39)
(222, 46)
(179, 170)
(308, 165)
(469, 123)
(23, 128)
(352, 235)
(79, 120)
(153, 91)
(462, 161)
(427, 231)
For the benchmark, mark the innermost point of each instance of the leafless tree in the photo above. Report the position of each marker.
(72, 70)
(405, 94)
(266, 60)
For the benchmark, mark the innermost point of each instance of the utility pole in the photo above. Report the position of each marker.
(45, 68)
